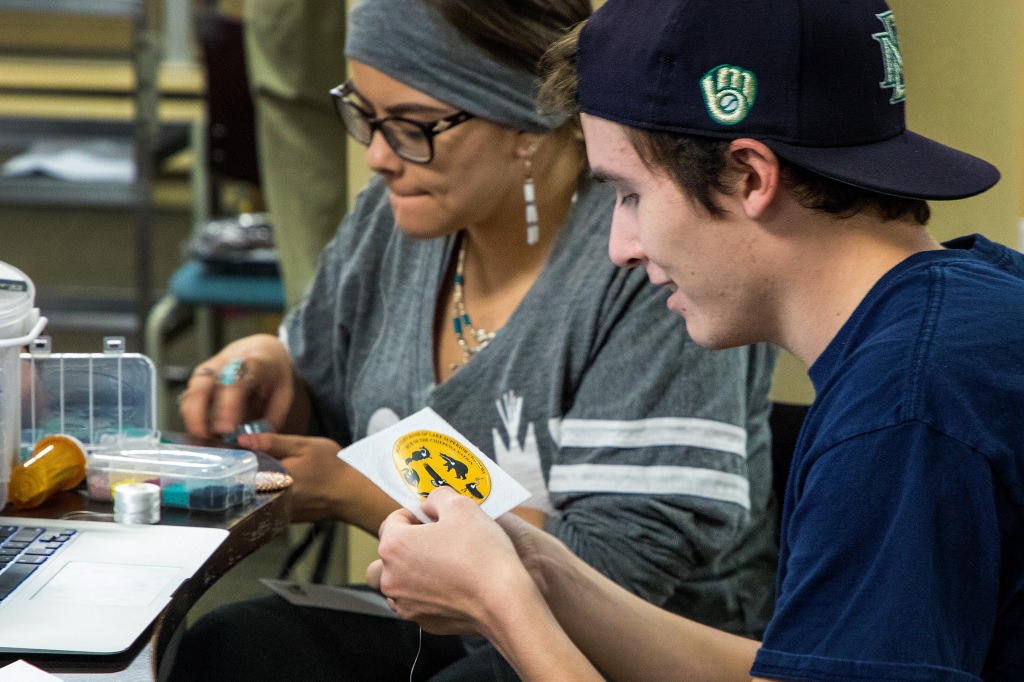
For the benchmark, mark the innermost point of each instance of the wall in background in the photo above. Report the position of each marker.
(965, 87)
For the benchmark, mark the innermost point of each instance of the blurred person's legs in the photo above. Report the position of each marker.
(269, 639)
(295, 54)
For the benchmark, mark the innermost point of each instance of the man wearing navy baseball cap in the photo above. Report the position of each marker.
(766, 178)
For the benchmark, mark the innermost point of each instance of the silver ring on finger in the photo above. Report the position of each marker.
(232, 373)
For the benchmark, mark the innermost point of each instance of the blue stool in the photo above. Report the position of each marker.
(199, 294)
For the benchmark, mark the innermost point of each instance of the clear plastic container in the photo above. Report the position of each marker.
(102, 399)
(190, 477)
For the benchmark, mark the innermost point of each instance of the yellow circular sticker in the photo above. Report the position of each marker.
(428, 460)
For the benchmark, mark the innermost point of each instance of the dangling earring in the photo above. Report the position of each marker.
(529, 197)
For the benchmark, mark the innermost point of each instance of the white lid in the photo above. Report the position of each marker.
(185, 461)
(17, 297)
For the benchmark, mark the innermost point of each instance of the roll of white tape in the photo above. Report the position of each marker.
(137, 503)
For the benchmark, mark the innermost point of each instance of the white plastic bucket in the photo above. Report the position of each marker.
(20, 323)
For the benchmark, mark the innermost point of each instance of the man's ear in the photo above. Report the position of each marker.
(757, 174)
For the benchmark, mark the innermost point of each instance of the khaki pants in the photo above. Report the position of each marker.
(295, 54)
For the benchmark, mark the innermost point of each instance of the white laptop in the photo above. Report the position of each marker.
(103, 584)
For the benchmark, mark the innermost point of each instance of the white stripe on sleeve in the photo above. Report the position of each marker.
(656, 431)
(650, 480)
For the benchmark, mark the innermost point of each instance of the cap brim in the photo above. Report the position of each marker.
(908, 165)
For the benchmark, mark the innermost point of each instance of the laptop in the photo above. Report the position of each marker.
(90, 587)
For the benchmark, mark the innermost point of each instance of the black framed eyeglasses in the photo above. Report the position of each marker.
(410, 140)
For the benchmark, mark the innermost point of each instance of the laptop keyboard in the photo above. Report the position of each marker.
(23, 549)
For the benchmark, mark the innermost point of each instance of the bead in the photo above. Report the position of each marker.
(460, 320)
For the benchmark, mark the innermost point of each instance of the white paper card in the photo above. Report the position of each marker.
(22, 671)
(337, 598)
(422, 452)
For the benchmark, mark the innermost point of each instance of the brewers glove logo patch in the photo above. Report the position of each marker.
(729, 93)
(428, 460)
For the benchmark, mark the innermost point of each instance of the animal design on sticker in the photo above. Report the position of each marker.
(422, 453)
(435, 478)
(455, 466)
(416, 457)
(410, 476)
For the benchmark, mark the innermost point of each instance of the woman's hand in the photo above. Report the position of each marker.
(324, 487)
(250, 379)
(318, 475)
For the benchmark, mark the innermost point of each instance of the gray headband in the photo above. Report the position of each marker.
(412, 43)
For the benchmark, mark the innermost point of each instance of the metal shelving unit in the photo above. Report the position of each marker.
(150, 140)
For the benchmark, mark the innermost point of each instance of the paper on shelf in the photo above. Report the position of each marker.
(107, 160)
(423, 451)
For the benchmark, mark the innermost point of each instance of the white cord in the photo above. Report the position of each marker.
(419, 647)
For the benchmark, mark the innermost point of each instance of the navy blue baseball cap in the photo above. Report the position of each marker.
(820, 82)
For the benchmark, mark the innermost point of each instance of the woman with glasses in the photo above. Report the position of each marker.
(472, 276)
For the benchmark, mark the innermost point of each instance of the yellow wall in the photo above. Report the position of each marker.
(962, 63)
(965, 87)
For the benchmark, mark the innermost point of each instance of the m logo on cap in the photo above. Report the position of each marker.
(892, 57)
(728, 93)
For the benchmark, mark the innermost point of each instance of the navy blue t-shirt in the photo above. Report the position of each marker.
(902, 544)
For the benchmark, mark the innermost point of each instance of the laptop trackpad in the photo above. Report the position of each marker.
(83, 582)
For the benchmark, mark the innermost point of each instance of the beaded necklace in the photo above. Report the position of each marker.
(463, 327)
